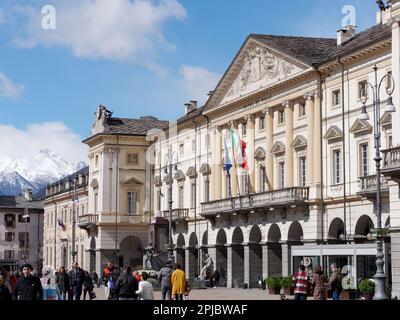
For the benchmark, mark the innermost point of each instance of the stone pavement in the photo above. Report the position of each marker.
(216, 294)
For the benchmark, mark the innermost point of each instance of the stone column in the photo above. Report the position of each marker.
(213, 165)
(264, 247)
(310, 138)
(234, 178)
(250, 151)
(99, 264)
(396, 74)
(289, 139)
(269, 142)
(217, 168)
(246, 258)
(285, 259)
(229, 281)
(317, 139)
(187, 262)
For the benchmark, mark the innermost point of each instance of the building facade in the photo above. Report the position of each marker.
(309, 189)
(65, 206)
(21, 231)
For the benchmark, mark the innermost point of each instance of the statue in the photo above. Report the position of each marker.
(148, 258)
(206, 271)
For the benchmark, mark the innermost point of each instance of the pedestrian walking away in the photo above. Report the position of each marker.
(145, 291)
(164, 277)
(178, 280)
(319, 283)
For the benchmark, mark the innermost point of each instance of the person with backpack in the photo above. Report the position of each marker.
(335, 282)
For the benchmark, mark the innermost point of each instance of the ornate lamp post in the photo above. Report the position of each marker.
(169, 170)
(380, 276)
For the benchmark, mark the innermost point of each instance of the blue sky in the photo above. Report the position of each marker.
(135, 57)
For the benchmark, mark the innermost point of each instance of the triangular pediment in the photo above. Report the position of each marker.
(386, 119)
(299, 142)
(191, 172)
(257, 66)
(279, 147)
(205, 168)
(179, 175)
(360, 126)
(132, 180)
(260, 153)
(333, 133)
(94, 184)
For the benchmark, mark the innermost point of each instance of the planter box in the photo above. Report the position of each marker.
(348, 295)
(368, 296)
(274, 290)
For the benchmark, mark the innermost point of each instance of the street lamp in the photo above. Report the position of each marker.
(73, 251)
(170, 170)
(380, 276)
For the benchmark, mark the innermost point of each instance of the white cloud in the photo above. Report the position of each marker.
(8, 89)
(17, 143)
(119, 30)
(197, 82)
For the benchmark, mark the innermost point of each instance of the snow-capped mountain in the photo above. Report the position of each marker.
(36, 172)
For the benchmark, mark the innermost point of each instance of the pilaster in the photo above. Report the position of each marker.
(269, 158)
(310, 138)
(289, 139)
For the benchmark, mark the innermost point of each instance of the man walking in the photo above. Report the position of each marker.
(178, 280)
(165, 280)
(335, 282)
(28, 287)
(76, 279)
(126, 285)
(301, 283)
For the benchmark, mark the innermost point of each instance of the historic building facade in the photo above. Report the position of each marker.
(21, 230)
(65, 206)
(309, 187)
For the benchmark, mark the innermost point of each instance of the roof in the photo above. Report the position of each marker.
(308, 50)
(82, 172)
(19, 202)
(134, 126)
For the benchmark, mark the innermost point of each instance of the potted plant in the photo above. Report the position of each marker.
(286, 285)
(273, 284)
(367, 288)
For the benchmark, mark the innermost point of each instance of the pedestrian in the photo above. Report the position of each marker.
(319, 282)
(62, 281)
(76, 279)
(188, 288)
(88, 286)
(137, 276)
(164, 277)
(127, 285)
(107, 272)
(178, 281)
(301, 283)
(9, 277)
(216, 276)
(5, 294)
(95, 278)
(145, 291)
(335, 282)
(28, 287)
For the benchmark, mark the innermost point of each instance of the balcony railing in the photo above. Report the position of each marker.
(88, 221)
(278, 198)
(367, 186)
(391, 158)
(177, 214)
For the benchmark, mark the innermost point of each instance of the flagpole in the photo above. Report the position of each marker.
(234, 163)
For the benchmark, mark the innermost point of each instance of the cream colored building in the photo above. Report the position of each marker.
(309, 190)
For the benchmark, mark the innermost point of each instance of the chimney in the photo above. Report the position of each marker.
(28, 194)
(345, 34)
(189, 107)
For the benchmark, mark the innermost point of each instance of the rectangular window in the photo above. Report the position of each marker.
(263, 179)
(261, 123)
(8, 254)
(390, 141)
(96, 161)
(23, 238)
(193, 145)
(132, 199)
(281, 117)
(335, 97)
(10, 220)
(302, 110)
(181, 148)
(364, 159)
(245, 178)
(207, 140)
(336, 167)
(9, 236)
(77, 211)
(96, 201)
(181, 197)
(206, 191)
(244, 129)
(132, 158)
(21, 218)
(362, 89)
(193, 195)
(389, 81)
(302, 171)
(158, 200)
(83, 210)
(281, 175)
(227, 186)
(23, 254)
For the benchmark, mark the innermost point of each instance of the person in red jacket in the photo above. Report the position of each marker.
(107, 272)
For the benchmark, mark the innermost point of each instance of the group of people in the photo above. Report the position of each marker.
(59, 285)
(320, 285)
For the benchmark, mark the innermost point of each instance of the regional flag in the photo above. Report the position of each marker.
(228, 163)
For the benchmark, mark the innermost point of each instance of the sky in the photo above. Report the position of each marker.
(137, 57)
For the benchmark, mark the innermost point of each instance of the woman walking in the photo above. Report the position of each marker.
(88, 286)
(319, 283)
(62, 281)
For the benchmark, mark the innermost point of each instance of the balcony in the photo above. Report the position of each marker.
(391, 163)
(178, 215)
(290, 197)
(88, 221)
(367, 187)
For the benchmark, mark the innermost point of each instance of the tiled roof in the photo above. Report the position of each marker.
(308, 50)
(82, 172)
(19, 202)
(134, 126)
